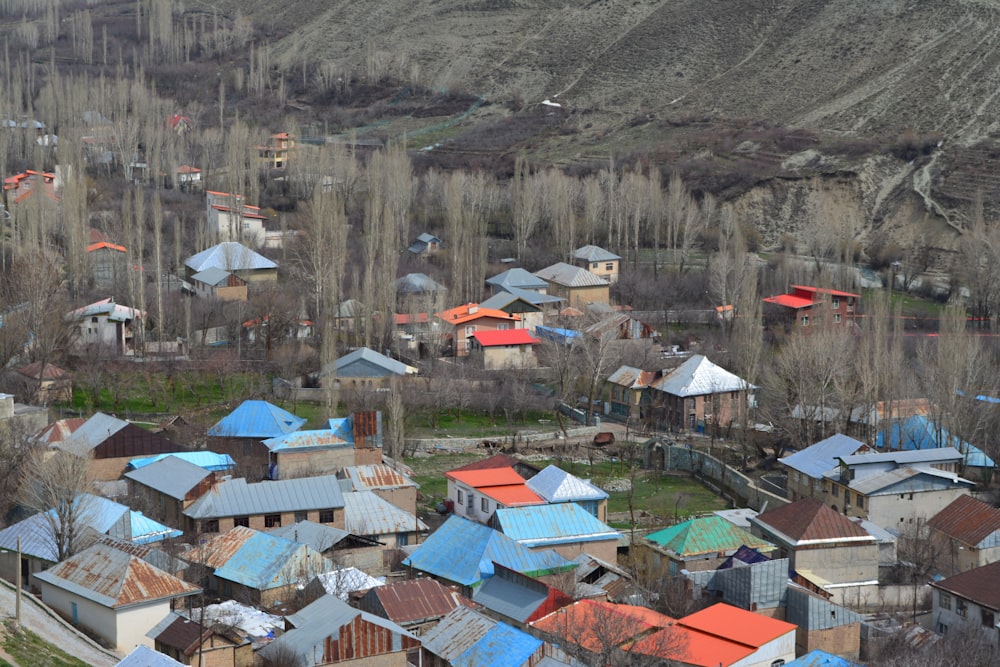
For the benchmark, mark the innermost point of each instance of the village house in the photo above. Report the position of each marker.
(702, 543)
(116, 596)
(276, 153)
(354, 440)
(467, 637)
(340, 546)
(419, 293)
(477, 494)
(918, 432)
(108, 264)
(806, 307)
(375, 518)
(415, 604)
(166, 488)
(237, 259)
(968, 601)
(565, 528)
(966, 534)
(894, 489)
(216, 283)
(271, 504)
(460, 323)
(597, 260)
(579, 287)
(512, 597)
(383, 481)
(523, 468)
(106, 329)
(188, 178)
(20, 189)
(195, 644)
(555, 485)
(528, 306)
(426, 244)
(517, 279)
(46, 384)
(807, 467)
(242, 432)
(503, 350)
(229, 218)
(365, 369)
(255, 567)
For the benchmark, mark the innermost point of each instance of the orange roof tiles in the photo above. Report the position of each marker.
(486, 477)
(471, 311)
(595, 625)
(104, 244)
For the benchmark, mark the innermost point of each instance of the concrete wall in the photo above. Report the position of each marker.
(257, 521)
(293, 464)
(844, 641)
(958, 557)
(405, 498)
(782, 648)
(736, 486)
(944, 619)
(892, 510)
(841, 564)
(500, 358)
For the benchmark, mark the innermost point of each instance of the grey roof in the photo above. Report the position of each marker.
(317, 536)
(143, 656)
(517, 278)
(509, 598)
(822, 456)
(459, 630)
(237, 498)
(698, 376)
(368, 514)
(92, 432)
(350, 308)
(369, 358)
(911, 457)
(230, 256)
(906, 480)
(37, 539)
(428, 238)
(213, 276)
(593, 253)
(170, 476)
(570, 276)
(532, 297)
(556, 486)
(321, 619)
(418, 283)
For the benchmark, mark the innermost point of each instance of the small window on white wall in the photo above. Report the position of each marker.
(484, 504)
(777, 663)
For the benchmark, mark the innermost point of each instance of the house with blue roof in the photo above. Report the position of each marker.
(556, 485)
(210, 461)
(240, 434)
(481, 546)
(349, 441)
(234, 258)
(919, 432)
(807, 467)
(566, 528)
(467, 638)
(261, 569)
(168, 487)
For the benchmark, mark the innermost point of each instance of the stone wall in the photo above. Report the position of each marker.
(728, 482)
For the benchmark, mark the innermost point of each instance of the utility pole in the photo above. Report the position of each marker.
(17, 591)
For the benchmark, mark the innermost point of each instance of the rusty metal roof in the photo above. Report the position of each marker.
(968, 520)
(376, 476)
(416, 600)
(809, 520)
(114, 579)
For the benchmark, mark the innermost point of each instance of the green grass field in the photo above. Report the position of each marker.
(30, 650)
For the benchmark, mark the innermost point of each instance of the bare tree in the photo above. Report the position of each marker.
(58, 485)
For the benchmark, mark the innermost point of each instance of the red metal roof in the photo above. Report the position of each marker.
(512, 495)
(495, 461)
(822, 290)
(967, 520)
(104, 244)
(505, 337)
(417, 600)
(981, 585)
(738, 625)
(485, 477)
(596, 625)
(790, 301)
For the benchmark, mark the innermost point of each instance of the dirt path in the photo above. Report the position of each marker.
(44, 623)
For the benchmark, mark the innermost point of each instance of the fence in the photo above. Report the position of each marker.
(459, 444)
(723, 479)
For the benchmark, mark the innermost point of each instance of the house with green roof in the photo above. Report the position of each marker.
(702, 543)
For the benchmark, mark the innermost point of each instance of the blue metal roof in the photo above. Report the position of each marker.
(919, 432)
(480, 547)
(265, 561)
(557, 335)
(820, 658)
(343, 428)
(256, 419)
(501, 646)
(203, 459)
(822, 456)
(147, 531)
(560, 523)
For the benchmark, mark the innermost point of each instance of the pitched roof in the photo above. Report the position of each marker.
(517, 278)
(179, 632)
(698, 376)
(115, 312)
(556, 485)
(323, 438)
(980, 585)
(822, 456)
(258, 560)
(375, 476)
(911, 457)
(347, 580)
(236, 497)
(501, 646)
(593, 253)
(170, 476)
(256, 419)
(416, 600)
(52, 372)
(418, 283)
(570, 276)
(229, 256)
(495, 461)
(907, 480)
(737, 624)
(201, 458)
(704, 535)
(593, 624)
(471, 312)
(317, 536)
(482, 546)
(510, 295)
(368, 514)
(632, 377)
(967, 520)
(213, 276)
(544, 525)
(143, 656)
(479, 478)
(371, 359)
(920, 433)
(459, 630)
(59, 430)
(503, 337)
(113, 578)
(809, 521)
(36, 532)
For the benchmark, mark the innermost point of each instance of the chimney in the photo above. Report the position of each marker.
(367, 429)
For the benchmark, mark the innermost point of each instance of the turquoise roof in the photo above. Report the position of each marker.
(480, 547)
(501, 646)
(560, 523)
(256, 419)
(146, 531)
(704, 535)
(203, 459)
(265, 562)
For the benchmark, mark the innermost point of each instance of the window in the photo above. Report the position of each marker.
(609, 266)
(402, 539)
(595, 265)
(459, 497)
(93, 319)
(805, 320)
(272, 521)
(836, 303)
(241, 521)
(944, 600)
(960, 608)
(210, 526)
(861, 501)
(301, 516)
(778, 663)
(835, 490)
(326, 516)
(484, 504)
(987, 618)
(836, 318)
(469, 330)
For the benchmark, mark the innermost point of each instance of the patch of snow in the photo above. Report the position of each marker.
(345, 581)
(550, 103)
(253, 622)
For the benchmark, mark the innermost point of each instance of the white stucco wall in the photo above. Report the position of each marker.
(782, 648)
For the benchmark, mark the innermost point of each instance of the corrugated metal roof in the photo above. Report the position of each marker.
(504, 337)
(229, 256)
(697, 377)
(416, 600)
(481, 547)
(114, 311)
(237, 498)
(483, 477)
(146, 531)
(556, 486)
(170, 476)
(933, 455)
(631, 377)
(143, 656)
(213, 276)
(541, 525)
(376, 476)
(822, 456)
(981, 585)
(114, 579)
(512, 495)
(94, 431)
(302, 440)
(367, 514)
(258, 560)
(390, 365)
(738, 625)
(510, 598)
(501, 646)
(920, 433)
(418, 283)
(531, 296)
(315, 535)
(908, 480)
(471, 312)
(593, 253)
(570, 276)
(456, 633)
(59, 430)
(203, 459)
(517, 278)
(704, 535)
(968, 520)
(256, 419)
(809, 519)
(36, 532)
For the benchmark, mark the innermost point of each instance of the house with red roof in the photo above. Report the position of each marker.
(966, 534)
(823, 546)
(806, 306)
(230, 218)
(968, 601)
(477, 494)
(503, 349)
(461, 322)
